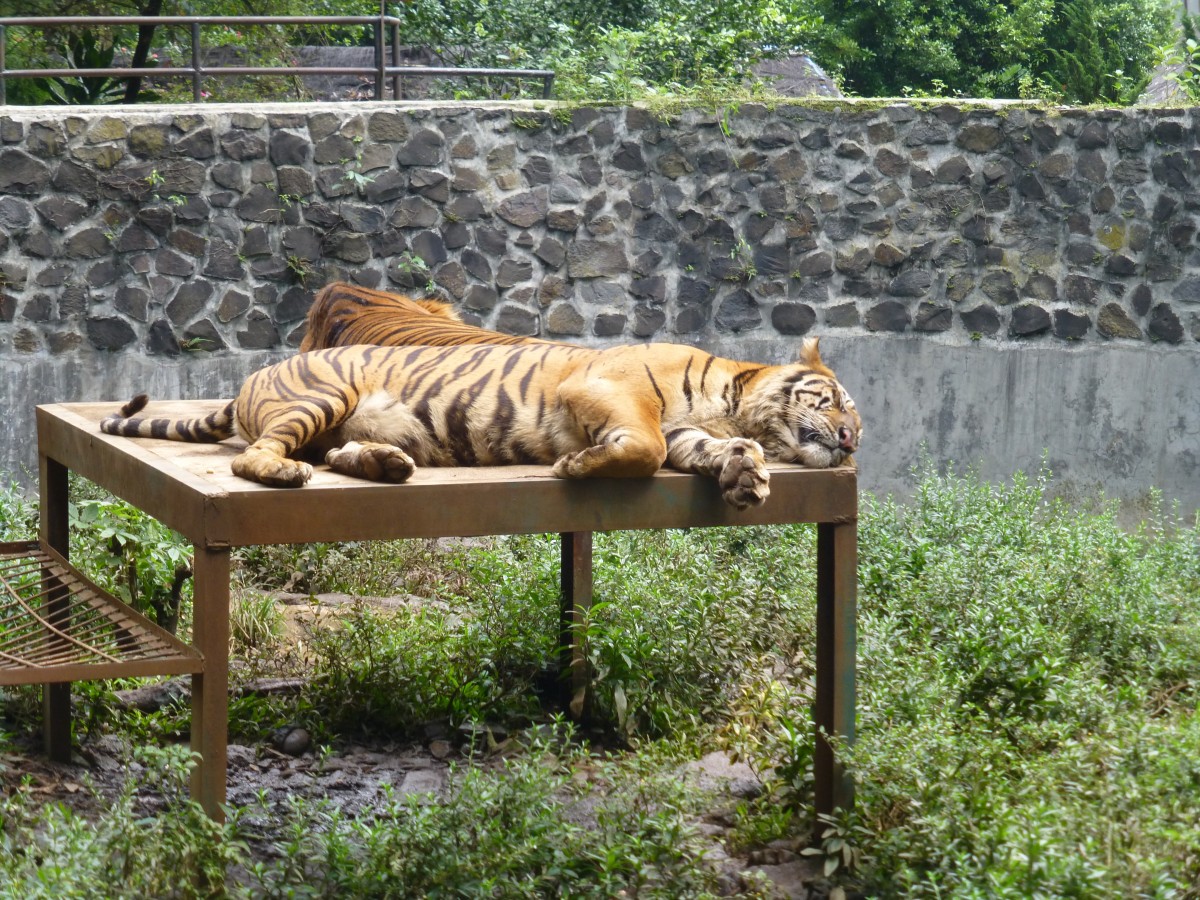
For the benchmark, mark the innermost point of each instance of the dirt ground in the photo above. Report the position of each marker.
(354, 778)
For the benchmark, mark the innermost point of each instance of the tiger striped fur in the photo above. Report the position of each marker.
(379, 412)
(344, 314)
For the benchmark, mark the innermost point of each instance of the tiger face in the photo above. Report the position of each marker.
(805, 416)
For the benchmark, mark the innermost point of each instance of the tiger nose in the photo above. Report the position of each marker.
(846, 439)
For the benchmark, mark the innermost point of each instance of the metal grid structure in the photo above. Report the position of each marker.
(56, 625)
(197, 71)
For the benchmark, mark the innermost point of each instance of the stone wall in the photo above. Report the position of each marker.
(181, 246)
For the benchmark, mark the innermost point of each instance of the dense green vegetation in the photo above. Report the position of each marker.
(1029, 712)
(1073, 51)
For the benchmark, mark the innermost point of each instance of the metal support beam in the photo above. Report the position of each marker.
(837, 593)
(576, 580)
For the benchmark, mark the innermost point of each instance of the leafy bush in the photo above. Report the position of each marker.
(531, 828)
(682, 618)
(134, 556)
(1080, 51)
(599, 51)
(48, 851)
(1029, 679)
(462, 657)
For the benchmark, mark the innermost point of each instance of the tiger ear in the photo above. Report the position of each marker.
(810, 355)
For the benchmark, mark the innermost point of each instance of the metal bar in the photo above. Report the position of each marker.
(837, 589)
(59, 21)
(210, 688)
(575, 576)
(184, 71)
(196, 76)
(55, 531)
(397, 81)
(380, 71)
(380, 64)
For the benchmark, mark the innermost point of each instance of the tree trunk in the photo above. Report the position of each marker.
(142, 51)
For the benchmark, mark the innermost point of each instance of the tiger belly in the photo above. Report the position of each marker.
(380, 418)
(488, 431)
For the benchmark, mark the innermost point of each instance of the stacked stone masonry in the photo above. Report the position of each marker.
(167, 230)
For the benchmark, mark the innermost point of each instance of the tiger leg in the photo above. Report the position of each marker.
(625, 437)
(737, 463)
(266, 461)
(372, 461)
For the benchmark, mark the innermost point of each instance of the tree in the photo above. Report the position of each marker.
(994, 48)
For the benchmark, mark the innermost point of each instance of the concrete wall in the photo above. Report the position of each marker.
(990, 281)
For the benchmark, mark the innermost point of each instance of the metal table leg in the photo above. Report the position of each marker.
(210, 706)
(576, 580)
(55, 533)
(837, 592)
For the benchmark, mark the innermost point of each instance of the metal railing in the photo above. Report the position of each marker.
(381, 70)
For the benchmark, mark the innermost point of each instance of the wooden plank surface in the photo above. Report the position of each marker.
(191, 488)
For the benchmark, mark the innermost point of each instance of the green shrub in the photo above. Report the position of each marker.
(48, 851)
(1029, 678)
(531, 828)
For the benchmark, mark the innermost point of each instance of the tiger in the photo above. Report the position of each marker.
(377, 413)
(344, 314)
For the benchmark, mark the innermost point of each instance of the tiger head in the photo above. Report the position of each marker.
(802, 414)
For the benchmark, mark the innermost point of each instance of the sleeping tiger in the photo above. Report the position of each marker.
(344, 314)
(379, 412)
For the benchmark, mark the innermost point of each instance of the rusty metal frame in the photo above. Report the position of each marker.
(380, 71)
(189, 488)
(56, 625)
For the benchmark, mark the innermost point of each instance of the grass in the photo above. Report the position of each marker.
(1029, 711)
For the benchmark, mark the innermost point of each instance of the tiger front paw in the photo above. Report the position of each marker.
(744, 477)
(265, 467)
(372, 461)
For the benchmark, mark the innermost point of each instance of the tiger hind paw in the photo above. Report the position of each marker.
(264, 467)
(372, 461)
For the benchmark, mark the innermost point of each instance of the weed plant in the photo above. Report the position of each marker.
(1029, 678)
(532, 828)
(1029, 683)
(48, 852)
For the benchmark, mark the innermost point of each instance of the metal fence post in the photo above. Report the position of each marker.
(379, 59)
(3, 79)
(196, 62)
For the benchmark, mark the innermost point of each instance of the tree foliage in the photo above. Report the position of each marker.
(1077, 51)
(1081, 51)
(612, 50)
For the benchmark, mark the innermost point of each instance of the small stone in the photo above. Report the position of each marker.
(888, 315)
(1114, 322)
(292, 740)
(1027, 320)
(1164, 325)
(1070, 325)
(983, 319)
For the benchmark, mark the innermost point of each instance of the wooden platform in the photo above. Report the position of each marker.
(190, 488)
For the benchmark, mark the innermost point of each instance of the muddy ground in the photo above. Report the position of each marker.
(355, 776)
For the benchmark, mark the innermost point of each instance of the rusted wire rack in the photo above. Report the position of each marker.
(197, 71)
(56, 626)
